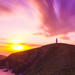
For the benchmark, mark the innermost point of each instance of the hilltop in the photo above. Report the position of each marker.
(52, 59)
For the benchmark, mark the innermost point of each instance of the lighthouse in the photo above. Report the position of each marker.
(56, 40)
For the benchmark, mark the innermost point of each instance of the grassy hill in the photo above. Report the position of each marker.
(53, 59)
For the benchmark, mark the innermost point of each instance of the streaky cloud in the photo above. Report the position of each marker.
(11, 5)
(57, 25)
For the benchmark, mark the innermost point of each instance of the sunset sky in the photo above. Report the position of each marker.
(35, 23)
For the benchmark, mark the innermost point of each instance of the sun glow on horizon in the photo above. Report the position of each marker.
(16, 41)
(18, 47)
(14, 46)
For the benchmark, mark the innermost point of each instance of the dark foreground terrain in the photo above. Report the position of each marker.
(2, 57)
(53, 59)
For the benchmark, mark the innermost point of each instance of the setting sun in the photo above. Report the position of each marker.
(18, 47)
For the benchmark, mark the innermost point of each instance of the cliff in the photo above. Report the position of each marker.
(53, 59)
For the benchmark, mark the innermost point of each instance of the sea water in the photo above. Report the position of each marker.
(6, 73)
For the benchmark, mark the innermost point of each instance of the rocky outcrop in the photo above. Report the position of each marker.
(53, 59)
(2, 57)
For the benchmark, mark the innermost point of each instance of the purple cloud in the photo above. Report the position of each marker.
(58, 16)
(10, 5)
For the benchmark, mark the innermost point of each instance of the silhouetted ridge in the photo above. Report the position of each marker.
(53, 59)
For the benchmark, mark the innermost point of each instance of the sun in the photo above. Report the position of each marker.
(18, 47)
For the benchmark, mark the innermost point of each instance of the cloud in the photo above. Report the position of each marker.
(34, 45)
(64, 37)
(31, 44)
(11, 5)
(58, 17)
(4, 8)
